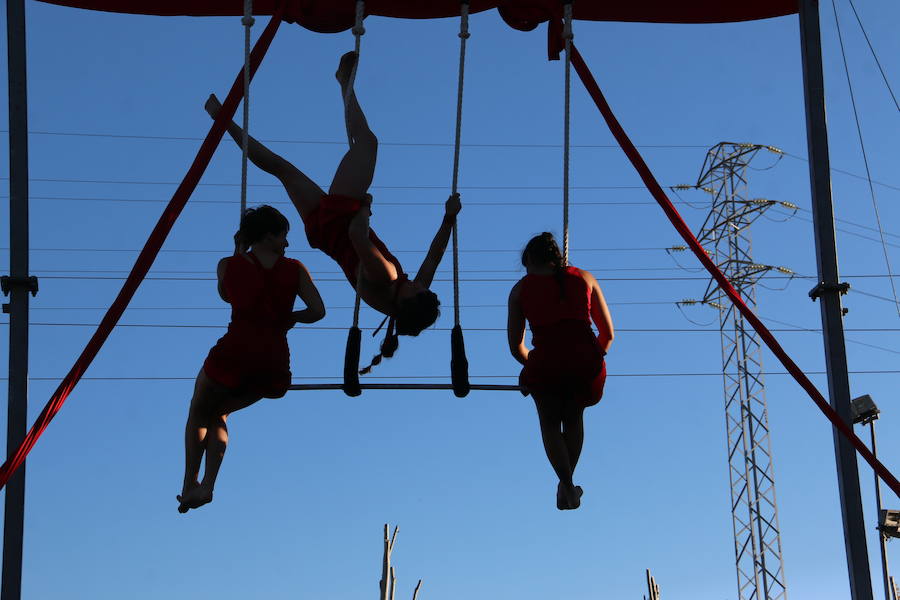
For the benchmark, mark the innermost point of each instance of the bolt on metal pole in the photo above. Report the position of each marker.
(885, 570)
(829, 296)
(14, 509)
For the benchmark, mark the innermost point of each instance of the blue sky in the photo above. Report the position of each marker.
(310, 479)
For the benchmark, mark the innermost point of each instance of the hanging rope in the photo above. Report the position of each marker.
(247, 21)
(146, 256)
(459, 365)
(354, 336)
(567, 38)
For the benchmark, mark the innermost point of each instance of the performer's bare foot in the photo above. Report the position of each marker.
(345, 68)
(194, 497)
(568, 497)
(212, 105)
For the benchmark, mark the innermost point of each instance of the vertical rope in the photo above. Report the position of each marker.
(463, 36)
(459, 364)
(354, 336)
(358, 31)
(247, 21)
(568, 37)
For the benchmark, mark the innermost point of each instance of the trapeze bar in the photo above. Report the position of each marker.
(404, 386)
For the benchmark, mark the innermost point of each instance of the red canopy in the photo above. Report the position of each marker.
(337, 15)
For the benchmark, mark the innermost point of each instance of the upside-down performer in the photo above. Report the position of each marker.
(565, 371)
(338, 222)
(251, 361)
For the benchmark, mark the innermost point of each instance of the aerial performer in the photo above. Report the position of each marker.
(251, 361)
(338, 222)
(565, 371)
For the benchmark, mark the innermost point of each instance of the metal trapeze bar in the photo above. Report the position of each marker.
(404, 386)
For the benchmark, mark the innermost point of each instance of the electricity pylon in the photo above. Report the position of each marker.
(726, 237)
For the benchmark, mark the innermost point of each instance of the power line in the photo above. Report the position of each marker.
(377, 203)
(290, 252)
(874, 55)
(848, 173)
(373, 187)
(344, 143)
(448, 145)
(443, 280)
(521, 271)
(446, 377)
(799, 327)
(479, 329)
(228, 307)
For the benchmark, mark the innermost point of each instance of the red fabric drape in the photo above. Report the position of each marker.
(338, 15)
(147, 256)
(656, 190)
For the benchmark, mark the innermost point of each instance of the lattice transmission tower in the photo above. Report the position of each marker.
(726, 237)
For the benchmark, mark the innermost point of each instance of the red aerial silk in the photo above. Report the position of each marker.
(145, 258)
(329, 16)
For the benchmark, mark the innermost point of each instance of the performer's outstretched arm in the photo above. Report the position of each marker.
(426, 272)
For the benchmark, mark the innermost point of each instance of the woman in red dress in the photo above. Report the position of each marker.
(338, 222)
(251, 361)
(565, 371)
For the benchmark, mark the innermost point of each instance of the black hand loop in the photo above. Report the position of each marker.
(351, 363)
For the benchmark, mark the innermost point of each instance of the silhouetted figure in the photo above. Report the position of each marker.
(251, 361)
(565, 371)
(338, 222)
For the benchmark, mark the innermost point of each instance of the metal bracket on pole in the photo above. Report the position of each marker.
(825, 288)
(7, 283)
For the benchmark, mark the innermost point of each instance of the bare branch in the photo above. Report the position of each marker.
(394, 536)
(416, 591)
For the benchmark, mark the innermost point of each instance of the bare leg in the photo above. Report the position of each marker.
(195, 434)
(356, 170)
(573, 430)
(303, 191)
(209, 412)
(550, 415)
(217, 442)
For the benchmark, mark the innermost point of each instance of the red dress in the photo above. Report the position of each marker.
(253, 355)
(567, 356)
(326, 229)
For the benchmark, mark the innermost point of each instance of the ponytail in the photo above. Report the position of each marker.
(388, 346)
(543, 249)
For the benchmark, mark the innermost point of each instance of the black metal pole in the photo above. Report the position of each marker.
(18, 287)
(828, 293)
(885, 570)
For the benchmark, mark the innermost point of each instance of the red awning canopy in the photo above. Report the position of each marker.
(337, 15)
